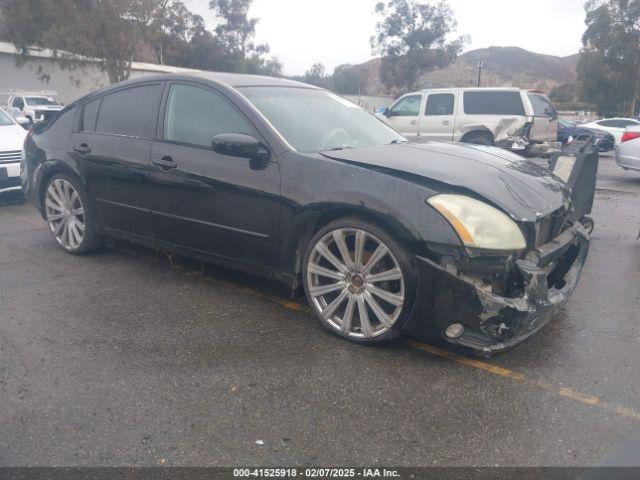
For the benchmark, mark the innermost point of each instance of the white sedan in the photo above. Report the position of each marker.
(628, 152)
(12, 137)
(615, 126)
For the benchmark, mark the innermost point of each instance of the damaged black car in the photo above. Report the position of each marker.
(462, 243)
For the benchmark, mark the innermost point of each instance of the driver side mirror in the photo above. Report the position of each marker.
(387, 112)
(239, 145)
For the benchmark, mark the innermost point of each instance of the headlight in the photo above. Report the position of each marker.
(479, 225)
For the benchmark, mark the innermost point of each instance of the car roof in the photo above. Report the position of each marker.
(232, 80)
(471, 89)
(237, 80)
(619, 118)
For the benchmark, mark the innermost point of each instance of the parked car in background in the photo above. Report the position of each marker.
(506, 117)
(628, 152)
(568, 131)
(447, 241)
(614, 126)
(12, 137)
(36, 106)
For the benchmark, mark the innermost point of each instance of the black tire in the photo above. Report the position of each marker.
(588, 224)
(405, 261)
(90, 240)
(478, 138)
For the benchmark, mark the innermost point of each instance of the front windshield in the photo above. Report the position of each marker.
(5, 119)
(41, 101)
(316, 120)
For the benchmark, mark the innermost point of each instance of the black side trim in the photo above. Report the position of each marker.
(186, 219)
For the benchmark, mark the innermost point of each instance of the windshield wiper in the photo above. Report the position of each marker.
(338, 148)
(395, 142)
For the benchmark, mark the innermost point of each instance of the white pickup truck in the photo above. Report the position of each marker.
(36, 106)
(511, 118)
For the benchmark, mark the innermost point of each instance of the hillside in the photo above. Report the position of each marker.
(502, 67)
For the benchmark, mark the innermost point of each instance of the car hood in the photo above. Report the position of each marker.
(518, 186)
(11, 137)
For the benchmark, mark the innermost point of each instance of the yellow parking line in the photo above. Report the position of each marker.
(519, 377)
(470, 362)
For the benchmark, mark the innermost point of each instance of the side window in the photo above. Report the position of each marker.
(407, 106)
(440, 104)
(493, 103)
(131, 112)
(542, 107)
(18, 103)
(195, 115)
(90, 115)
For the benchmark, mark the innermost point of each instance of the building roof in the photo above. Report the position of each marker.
(231, 79)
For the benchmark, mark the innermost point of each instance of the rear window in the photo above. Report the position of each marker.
(131, 112)
(617, 123)
(493, 103)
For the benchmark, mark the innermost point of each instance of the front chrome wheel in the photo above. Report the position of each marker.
(355, 283)
(65, 214)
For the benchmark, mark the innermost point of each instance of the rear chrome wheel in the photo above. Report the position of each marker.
(355, 283)
(65, 214)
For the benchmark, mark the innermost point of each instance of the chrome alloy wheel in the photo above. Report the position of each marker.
(355, 283)
(65, 214)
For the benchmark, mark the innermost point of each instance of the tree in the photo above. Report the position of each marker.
(316, 76)
(236, 31)
(609, 65)
(412, 38)
(112, 31)
(346, 80)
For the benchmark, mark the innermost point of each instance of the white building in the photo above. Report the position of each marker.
(41, 70)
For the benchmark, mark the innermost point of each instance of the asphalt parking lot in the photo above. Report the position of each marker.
(127, 357)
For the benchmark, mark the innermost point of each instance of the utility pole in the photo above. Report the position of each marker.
(479, 71)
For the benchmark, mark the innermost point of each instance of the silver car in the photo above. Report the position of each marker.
(628, 151)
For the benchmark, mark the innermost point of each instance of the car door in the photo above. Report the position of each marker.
(206, 202)
(404, 116)
(112, 145)
(438, 121)
(545, 121)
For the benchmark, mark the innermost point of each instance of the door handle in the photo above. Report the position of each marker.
(165, 163)
(83, 148)
(445, 122)
(414, 122)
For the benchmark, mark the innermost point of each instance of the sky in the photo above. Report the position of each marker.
(303, 32)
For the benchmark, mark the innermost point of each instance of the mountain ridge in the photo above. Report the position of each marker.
(502, 67)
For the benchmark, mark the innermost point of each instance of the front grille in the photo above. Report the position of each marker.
(10, 182)
(12, 156)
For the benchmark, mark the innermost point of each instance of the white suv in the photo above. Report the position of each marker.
(506, 117)
(34, 106)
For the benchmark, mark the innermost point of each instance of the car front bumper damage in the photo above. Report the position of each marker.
(493, 323)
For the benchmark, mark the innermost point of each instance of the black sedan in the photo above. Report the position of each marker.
(569, 131)
(464, 243)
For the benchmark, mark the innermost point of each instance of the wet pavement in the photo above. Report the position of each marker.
(124, 357)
